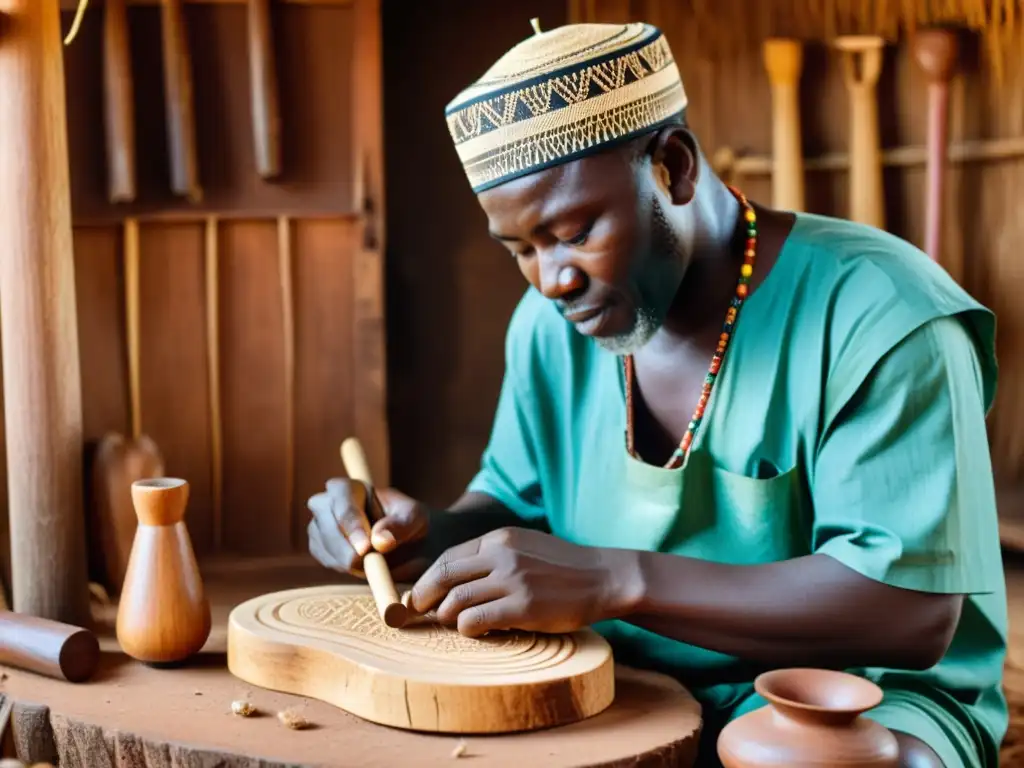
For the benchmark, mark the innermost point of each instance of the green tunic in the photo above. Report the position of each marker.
(848, 419)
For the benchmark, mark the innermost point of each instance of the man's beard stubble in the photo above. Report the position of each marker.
(659, 276)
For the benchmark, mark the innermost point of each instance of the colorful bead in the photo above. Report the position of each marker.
(746, 270)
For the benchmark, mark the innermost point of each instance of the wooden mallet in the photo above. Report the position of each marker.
(391, 608)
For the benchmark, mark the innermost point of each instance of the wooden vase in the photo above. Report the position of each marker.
(936, 52)
(862, 66)
(783, 60)
(813, 719)
(163, 616)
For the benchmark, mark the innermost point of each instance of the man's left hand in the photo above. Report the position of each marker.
(517, 578)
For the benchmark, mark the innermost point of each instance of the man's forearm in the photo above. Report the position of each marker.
(811, 610)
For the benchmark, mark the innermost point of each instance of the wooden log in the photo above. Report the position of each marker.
(62, 651)
(42, 396)
(653, 722)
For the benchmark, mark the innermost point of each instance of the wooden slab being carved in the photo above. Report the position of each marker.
(329, 643)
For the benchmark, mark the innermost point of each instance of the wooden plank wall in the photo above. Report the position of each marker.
(270, 293)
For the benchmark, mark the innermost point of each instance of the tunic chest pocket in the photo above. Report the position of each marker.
(762, 518)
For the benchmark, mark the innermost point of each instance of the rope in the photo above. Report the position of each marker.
(79, 14)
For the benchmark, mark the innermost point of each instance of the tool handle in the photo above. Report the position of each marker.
(51, 648)
(119, 123)
(181, 127)
(389, 605)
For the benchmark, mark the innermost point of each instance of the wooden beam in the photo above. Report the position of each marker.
(728, 164)
(370, 402)
(42, 380)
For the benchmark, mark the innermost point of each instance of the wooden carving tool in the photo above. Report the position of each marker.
(936, 52)
(266, 117)
(784, 62)
(181, 126)
(862, 65)
(118, 91)
(392, 610)
(51, 648)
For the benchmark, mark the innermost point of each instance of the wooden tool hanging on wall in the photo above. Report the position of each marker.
(783, 61)
(118, 89)
(936, 52)
(180, 104)
(266, 117)
(862, 66)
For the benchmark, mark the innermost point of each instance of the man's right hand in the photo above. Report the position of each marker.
(340, 533)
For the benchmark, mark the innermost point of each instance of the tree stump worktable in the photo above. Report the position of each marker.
(134, 716)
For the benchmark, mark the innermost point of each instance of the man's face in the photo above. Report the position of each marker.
(595, 236)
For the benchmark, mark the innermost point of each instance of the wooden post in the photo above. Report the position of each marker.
(42, 390)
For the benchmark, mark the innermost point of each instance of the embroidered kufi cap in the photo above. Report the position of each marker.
(562, 94)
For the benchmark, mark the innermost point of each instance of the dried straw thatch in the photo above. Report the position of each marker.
(719, 26)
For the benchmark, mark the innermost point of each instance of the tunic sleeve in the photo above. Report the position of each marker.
(508, 470)
(902, 481)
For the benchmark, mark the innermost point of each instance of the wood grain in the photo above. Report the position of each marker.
(163, 615)
(368, 266)
(173, 363)
(324, 358)
(212, 293)
(253, 388)
(42, 390)
(99, 298)
(328, 643)
(131, 313)
(653, 723)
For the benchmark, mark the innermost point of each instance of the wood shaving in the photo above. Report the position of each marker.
(292, 719)
(243, 708)
(460, 749)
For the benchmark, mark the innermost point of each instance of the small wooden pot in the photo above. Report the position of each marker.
(163, 616)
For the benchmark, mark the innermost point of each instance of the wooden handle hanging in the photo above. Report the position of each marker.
(391, 608)
(118, 103)
(862, 66)
(266, 117)
(181, 126)
(784, 62)
(936, 51)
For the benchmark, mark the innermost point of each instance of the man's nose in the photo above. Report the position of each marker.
(558, 279)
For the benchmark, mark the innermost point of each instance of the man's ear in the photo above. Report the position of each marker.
(674, 160)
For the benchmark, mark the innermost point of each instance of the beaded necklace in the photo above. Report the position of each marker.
(749, 255)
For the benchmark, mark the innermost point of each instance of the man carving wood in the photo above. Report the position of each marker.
(731, 438)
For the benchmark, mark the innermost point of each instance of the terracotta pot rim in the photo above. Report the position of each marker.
(869, 694)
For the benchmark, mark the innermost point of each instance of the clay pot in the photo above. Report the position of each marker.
(813, 718)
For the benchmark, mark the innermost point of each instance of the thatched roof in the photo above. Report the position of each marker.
(718, 26)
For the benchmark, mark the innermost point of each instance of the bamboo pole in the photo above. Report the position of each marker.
(42, 395)
(213, 376)
(898, 157)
